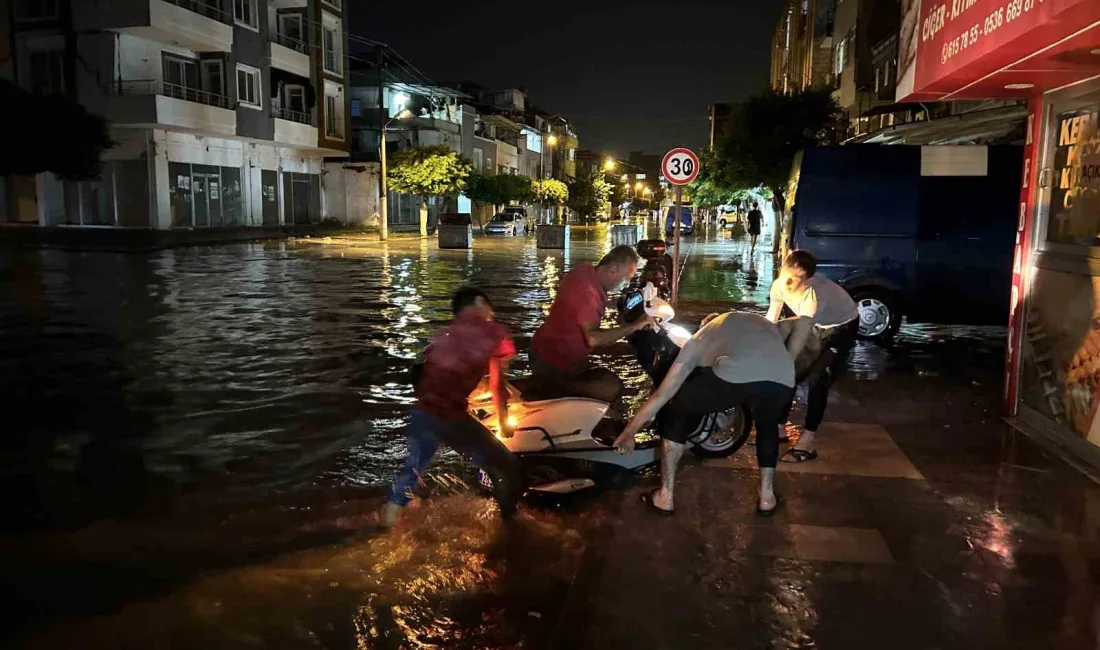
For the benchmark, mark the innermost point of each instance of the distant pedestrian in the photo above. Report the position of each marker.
(756, 218)
(836, 323)
(454, 363)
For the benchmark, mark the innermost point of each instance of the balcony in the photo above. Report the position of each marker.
(154, 103)
(198, 25)
(291, 55)
(294, 128)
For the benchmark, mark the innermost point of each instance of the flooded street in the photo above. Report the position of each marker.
(198, 438)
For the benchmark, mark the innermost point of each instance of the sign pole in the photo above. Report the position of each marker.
(676, 250)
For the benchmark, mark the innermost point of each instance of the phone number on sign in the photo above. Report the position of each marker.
(996, 19)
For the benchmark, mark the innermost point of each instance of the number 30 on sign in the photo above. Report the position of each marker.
(680, 166)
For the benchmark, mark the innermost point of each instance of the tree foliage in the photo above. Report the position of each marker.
(764, 134)
(50, 133)
(427, 171)
(549, 191)
(588, 195)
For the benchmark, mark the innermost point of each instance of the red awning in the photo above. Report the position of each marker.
(986, 49)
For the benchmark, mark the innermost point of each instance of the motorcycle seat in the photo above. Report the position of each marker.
(533, 389)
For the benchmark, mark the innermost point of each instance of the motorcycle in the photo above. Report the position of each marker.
(658, 267)
(566, 443)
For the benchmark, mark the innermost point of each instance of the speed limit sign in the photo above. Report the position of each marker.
(680, 166)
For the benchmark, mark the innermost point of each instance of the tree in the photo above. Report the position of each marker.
(50, 133)
(549, 191)
(427, 171)
(496, 190)
(764, 134)
(588, 195)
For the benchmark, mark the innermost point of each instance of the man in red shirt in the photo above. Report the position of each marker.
(560, 348)
(454, 363)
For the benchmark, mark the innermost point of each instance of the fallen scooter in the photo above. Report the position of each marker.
(566, 443)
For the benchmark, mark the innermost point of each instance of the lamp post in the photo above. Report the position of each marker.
(548, 141)
(384, 200)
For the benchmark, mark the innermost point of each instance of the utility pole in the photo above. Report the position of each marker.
(383, 191)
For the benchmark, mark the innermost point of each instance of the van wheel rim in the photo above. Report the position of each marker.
(874, 317)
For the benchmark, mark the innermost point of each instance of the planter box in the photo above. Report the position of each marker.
(556, 237)
(455, 236)
(628, 234)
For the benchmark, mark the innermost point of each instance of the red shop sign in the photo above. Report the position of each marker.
(948, 45)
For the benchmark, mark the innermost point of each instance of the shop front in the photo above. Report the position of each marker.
(1047, 54)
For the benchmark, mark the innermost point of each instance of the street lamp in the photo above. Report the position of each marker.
(609, 164)
(383, 200)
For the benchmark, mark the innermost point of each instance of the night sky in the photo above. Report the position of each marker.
(631, 76)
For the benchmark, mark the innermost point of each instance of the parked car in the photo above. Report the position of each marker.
(521, 212)
(927, 233)
(506, 223)
(686, 222)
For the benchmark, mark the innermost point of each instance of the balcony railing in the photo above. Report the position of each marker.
(293, 116)
(296, 44)
(208, 8)
(154, 87)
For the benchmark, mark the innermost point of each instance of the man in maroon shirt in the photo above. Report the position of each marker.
(560, 348)
(454, 363)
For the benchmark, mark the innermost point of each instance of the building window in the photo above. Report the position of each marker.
(29, 10)
(290, 31)
(181, 79)
(335, 4)
(244, 12)
(479, 156)
(213, 78)
(47, 72)
(332, 44)
(356, 107)
(572, 155)
(334, 111)
(248, 87)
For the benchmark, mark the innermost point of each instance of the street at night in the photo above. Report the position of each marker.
(762, 324)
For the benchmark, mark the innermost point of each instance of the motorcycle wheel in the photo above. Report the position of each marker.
(730, 433)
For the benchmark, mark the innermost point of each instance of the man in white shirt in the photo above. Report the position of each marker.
(736, 358)
(836, 323)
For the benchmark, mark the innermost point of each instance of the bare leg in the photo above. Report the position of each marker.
(767, 488)
(671, 452)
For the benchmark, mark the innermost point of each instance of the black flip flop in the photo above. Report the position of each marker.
(769, 513)
(797, 455)
(647, 498)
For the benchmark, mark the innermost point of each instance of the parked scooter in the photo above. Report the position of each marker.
(566, 443)
(658, 267)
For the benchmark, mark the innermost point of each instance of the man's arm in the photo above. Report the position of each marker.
(675, 378)
(597, 337)
(776, 307)
(796, 333)
(498, 383)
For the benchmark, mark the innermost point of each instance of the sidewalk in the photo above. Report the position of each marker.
(925, 523)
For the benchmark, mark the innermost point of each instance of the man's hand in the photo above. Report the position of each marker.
(506, 430)
(643, 322)
(625, 443)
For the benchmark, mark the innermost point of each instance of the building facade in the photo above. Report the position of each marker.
(1045, 54)
(222, 111)
(802, 47)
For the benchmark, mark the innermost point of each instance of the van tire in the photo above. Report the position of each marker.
(879, 313)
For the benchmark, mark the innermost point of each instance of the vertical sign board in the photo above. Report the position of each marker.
(680, 166)
(1021, 259)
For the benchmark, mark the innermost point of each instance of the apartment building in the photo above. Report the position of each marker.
(222, 111)
(802, 47)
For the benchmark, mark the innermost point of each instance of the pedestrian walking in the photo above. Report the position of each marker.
(454, 363)
(836, 323)
(735, 358)
(755, 219)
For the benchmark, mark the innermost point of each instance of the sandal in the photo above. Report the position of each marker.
(769, 513)
(647, 498)
(797, 455)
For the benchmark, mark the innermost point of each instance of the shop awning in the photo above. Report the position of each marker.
(978, 127)
(990, 49)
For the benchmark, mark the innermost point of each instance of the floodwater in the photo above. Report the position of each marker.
(248, 399)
